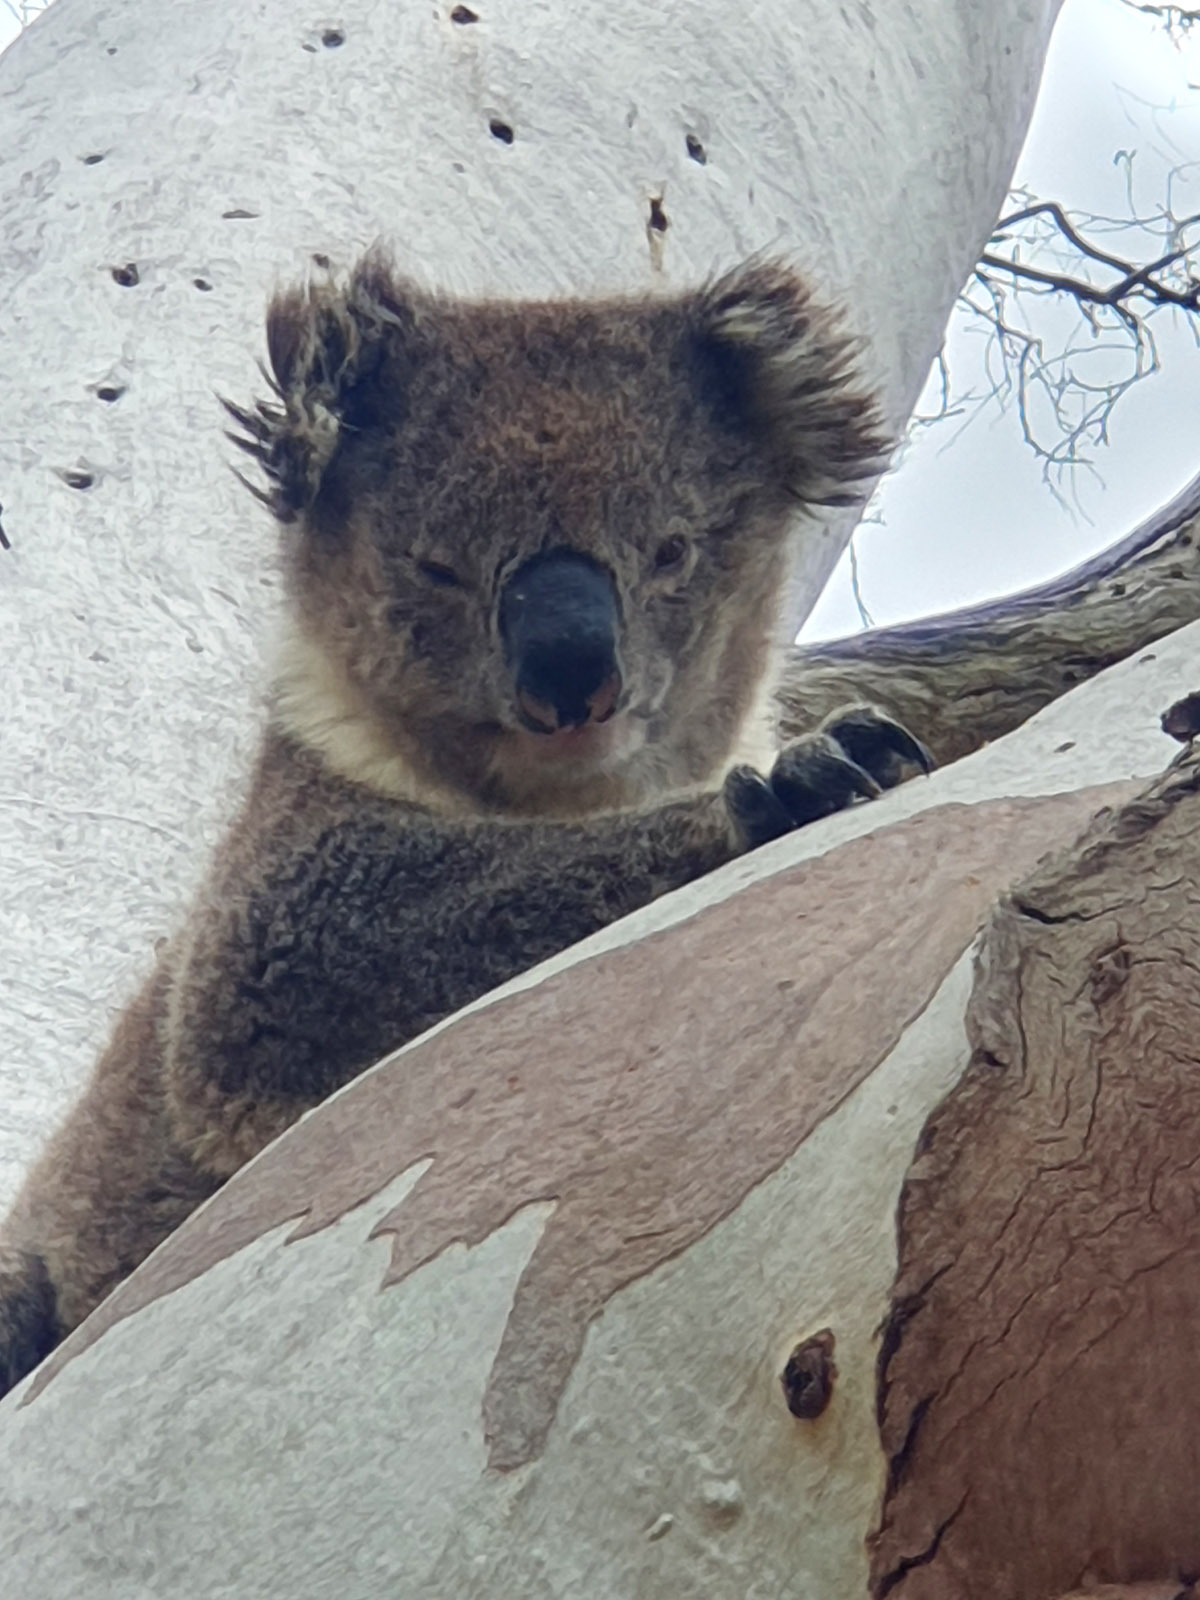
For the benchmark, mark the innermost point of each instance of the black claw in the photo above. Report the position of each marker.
(922, 756)
(757, 812)
(877, 743)
(815, 777)
(909, 748)
(857, 753)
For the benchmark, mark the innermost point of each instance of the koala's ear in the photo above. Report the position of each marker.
(780, 365)
(326, 344)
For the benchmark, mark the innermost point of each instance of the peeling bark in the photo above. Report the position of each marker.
(1039, 1377)
(964, 679)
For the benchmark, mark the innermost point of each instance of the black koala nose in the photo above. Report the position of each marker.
(558, 620)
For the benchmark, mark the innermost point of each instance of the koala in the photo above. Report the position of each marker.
(534, 558)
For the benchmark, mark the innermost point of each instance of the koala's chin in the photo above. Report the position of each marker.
(589, 768)
(586, 752)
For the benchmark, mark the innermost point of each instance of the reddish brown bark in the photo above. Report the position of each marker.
(1040, 1373)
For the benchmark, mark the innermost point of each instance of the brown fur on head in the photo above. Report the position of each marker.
(422, 449)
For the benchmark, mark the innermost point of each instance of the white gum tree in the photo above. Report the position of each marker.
(762, 1245)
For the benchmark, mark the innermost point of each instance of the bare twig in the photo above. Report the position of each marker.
(864, 615)
(1144, 282)
(24, 11)
(1177, 20)
(1064, 382)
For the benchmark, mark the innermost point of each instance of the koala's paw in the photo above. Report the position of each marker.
(856, 753)
(28, 1315)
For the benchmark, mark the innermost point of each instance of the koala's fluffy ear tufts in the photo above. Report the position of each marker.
(326, 344)
(782, 366)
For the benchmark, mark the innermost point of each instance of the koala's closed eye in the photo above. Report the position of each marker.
(439, 574)
(672, 554)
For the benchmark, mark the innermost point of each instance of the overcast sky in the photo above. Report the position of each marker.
(966, 513)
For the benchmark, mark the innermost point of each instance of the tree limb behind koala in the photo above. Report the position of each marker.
(970, 676)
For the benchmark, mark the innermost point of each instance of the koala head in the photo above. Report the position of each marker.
(535, 551)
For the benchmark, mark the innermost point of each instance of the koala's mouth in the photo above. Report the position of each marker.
(594, 744)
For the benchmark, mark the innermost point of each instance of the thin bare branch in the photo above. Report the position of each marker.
(1042, 260)
(1177, 20)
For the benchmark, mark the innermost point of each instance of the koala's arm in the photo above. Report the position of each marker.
(337, 926)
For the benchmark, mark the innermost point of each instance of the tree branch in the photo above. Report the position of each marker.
(1066, 387)
(1137, 280)
(965, 678)
(1176, 19)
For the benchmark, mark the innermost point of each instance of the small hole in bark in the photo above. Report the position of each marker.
(333, 38)
(1034, 913)
(658, 217)
(463, 15)
(1118, 589)
(1061, 749)
(93, 159)
(238, 215)
(108, 392)
(1109, 974)
(126, 276)
(75, 479)
(201, 283)
(809, 1374)
(696, 150)
(501, 130)
(321, 261)
(111, 51)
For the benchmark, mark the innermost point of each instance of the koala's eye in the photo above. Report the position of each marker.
(437, 572)
(671, 554)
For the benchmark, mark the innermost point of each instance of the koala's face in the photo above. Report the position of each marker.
(544, 543)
